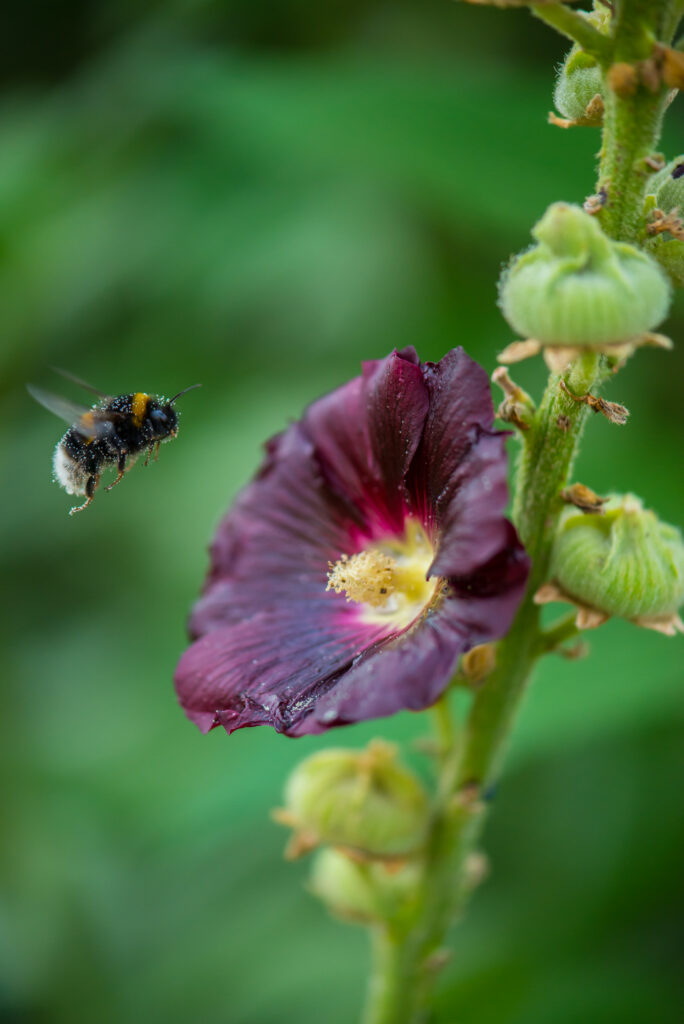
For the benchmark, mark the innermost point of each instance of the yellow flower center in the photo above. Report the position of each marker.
(389, 578)
(367, 577)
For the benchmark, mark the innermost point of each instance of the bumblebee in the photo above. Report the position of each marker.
(112, 433)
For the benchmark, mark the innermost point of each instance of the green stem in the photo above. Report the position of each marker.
(576, 27)
(549, 455)
(552, 639)
(391, 980)
(638, 22)
(444, 725)
(635, 123)
(544, 470)
(633, 116)
(670, 19)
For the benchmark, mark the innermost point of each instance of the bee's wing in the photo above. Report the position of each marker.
(89, 423)
(71, 412)
(77, 380)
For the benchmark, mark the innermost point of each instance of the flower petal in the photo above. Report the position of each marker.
(397, 404)
(366, 434)
(486, 601)
(470, 526)
(407, 672)
(271, 668)
(460, 408)
(282, 530)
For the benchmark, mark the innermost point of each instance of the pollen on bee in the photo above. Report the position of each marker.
(367, 577)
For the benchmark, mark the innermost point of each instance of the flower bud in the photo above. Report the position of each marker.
(580, 79)
(666, 224)
(365, 800)
(668, 186)
(670, 255)
(624, 562)
(579, 82)
(578, 288)
(366, 893)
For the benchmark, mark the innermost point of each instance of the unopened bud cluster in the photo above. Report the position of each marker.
(369, 813)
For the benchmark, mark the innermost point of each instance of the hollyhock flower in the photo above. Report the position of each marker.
(369, 552)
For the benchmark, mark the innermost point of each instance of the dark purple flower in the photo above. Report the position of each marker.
(369, 552)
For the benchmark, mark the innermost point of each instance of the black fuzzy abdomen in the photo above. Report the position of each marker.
(91, 455)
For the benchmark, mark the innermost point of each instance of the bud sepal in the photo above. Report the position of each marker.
(517, 407)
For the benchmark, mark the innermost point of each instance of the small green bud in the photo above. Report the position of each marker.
(624, 562)
(668, 186)
(365, 800)
(665, 213)
(579, 288)
(366, 893)
(580, 80)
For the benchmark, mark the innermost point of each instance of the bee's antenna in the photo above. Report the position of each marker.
(183, 392)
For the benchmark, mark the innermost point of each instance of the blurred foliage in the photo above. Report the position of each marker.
(257, 197)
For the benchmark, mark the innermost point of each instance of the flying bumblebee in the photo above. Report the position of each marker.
(113, 432)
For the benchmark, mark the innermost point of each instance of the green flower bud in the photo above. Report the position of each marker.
(624, 562)
(579, 288)
(366, 893)
(665, 213)
(365, 800)
(668, 186)
(580, 78)
(670, 255)
(579, 81)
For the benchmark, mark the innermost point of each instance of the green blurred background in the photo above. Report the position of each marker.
(257, 196)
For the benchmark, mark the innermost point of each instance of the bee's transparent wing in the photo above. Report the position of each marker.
(89, 423)
(77, 380)
(71, 412)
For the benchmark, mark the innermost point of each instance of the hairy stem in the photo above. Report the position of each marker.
(669, 20)
(390, 990)
(635, 123)
(634, 105)
(575, 26)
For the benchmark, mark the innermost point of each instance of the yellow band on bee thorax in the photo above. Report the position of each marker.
(139, 407)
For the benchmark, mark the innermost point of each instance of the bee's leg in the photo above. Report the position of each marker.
(154, 447)
(91, 484)
(120, 468)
